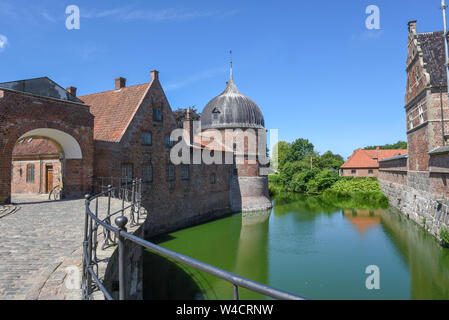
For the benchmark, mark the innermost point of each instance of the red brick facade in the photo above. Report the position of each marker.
(125, 133)
(193, 193)
(427, 112)
(23, 114)
(365, 163)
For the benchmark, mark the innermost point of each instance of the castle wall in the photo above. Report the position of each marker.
(428, 210)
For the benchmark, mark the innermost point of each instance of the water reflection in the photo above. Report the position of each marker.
(428, 262)
(307, 247)
(363, 219)
(252, 252)
(237, 244)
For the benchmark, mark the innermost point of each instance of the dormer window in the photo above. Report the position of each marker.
(215, 113)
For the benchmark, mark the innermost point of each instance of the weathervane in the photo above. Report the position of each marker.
(230, 72)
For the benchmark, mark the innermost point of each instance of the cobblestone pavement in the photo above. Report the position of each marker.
(39, 240)
(35, 239)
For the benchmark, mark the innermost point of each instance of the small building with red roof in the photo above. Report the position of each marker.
(365, 163)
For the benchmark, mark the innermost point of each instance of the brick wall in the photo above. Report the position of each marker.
(360, 172)
(394, 170)
(21, 113)
(171, 204)
(19, 182)
(439, 174)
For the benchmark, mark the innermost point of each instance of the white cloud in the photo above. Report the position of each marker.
(3, 42)
(129, 13)
(194, 78)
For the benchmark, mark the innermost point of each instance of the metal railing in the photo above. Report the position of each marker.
(55, 193)
(91, 281)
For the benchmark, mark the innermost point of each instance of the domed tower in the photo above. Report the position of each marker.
(242, 127)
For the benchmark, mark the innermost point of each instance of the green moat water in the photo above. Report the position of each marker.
(308, 248)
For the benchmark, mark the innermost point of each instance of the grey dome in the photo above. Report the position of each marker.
(231, 109)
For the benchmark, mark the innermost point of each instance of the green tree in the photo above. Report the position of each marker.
(397, 145)
(330, 160)
(280, 151)
(298, 150)
(301, 179)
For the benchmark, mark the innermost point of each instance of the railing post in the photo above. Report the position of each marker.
(87, 279)
(121, 224)
(236, 292)
(106, 233)
(139, 199)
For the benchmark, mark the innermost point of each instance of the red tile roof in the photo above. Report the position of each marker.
(370, 158)
(114, 109)
(34, 147)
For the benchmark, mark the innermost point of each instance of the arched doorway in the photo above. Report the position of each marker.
(41, 159)
(69, 124)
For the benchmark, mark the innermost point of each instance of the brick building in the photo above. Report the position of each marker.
(36, 166)
(39, 108)
(125, 133)
(417, 183)
(365, 163)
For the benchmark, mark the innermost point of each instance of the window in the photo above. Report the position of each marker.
(370, 171)
(213, 178)
(410, 122)
(170, 172)
(30, 173)
(185, 172)
(147, 173)
(168, 142)
(421, 114)
(215, 113)
(146, 139)
(157, 114)
(127, 171)
(353, 171)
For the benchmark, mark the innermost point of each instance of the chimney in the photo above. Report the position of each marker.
(154, 75)
(188, 125)
(412, 26)
(120, 83)
(71, 90)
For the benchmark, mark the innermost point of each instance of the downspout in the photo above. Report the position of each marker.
(444, 7)
(40, 174)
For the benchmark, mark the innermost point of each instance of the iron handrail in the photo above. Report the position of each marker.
(120, 232)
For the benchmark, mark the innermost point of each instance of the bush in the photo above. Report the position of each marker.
(444, 234)
(356, 192)
(359, 200)
(357, 185)
(301, 179)
(274, 179)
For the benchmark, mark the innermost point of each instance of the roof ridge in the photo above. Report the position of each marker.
(118, 90)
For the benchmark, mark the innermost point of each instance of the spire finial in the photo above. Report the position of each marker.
(230, 72)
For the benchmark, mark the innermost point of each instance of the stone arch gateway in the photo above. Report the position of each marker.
(69, 123)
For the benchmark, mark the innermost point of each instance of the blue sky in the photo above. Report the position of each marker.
(313, 67)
